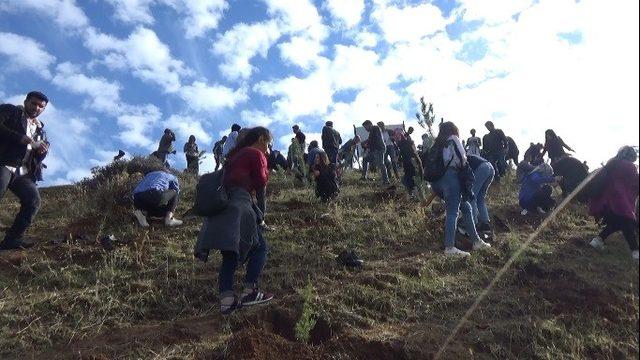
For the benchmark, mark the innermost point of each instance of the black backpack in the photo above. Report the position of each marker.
(433, 163)
(211, 194)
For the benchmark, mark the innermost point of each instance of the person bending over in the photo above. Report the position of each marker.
(156, 196)
(535, 191)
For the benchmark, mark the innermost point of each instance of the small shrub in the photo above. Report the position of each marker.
(308, 317)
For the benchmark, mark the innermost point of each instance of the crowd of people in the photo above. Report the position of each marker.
(458, 172)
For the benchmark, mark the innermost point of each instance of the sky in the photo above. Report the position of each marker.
(118, 72)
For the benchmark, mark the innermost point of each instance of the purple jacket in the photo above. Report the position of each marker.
(620, 194)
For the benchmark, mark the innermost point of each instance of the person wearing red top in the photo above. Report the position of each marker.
(235, 232)
(615, 205)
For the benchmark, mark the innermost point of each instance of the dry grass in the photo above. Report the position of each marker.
(148, 298)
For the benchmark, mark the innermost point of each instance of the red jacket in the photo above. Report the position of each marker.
(248, 168)
(621, 191)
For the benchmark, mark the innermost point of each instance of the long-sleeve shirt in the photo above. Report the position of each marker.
(376, 141)
(191, 149)
(158, 181)
(247, 169)
(530, 186)
(620, 192)
(230, 143)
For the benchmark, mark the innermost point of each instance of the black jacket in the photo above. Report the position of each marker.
(330, 138)
(12, 151)
(376, 141)
(495, 141)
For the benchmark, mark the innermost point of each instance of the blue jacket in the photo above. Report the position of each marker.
(157, 180)
(530, 186)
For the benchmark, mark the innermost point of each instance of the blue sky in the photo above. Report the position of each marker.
(119, 71)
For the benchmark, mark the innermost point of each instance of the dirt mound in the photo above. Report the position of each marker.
(260, 345)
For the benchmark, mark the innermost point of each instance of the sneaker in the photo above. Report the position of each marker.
(634, 255)
(255, 298)
(455, 251)
(597, 242)
(172, 222)
(349, 258)
(541, 211)
(142, 220)
(462, 231)
(16, 244)
(524, 212)
(227, 307)
(480, 244)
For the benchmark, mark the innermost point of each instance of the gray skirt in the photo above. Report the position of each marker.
(234, 229)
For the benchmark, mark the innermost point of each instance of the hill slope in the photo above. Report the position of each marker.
(148, 297)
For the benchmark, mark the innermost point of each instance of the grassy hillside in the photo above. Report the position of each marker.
(148, 297)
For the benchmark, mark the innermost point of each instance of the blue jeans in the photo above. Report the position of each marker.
(499, 161)
(448, 189)
(483, 178)
(256, 259)
(377, 158)
(26, 191)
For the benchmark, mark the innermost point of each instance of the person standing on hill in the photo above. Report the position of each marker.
(300, 136)
(495, 149)
(614, 206)
(331, 142)
(390, 156)
(157, 195)
(166, 146)
(235, 231)
(413, 173)
(376, 147)
(554, 146)
(450, 188)
(217, 152)
(192, 154)
(232, 138)
(513, 153)
(474, 144)
(23, 147)
(347, 152)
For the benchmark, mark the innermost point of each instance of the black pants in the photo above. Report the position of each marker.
(542, 199)
(193, 164)
(614, 223)
(156, 203)
(332, 154)
(25, 189)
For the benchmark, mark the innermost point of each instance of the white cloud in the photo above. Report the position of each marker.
(255, 118)
(410, 23)
(241, 43)
(65, 13)
(349, 12)
(185, 126)
(137, 121)
(302, 51)
(492, 11)
(23, 53)
(202, 97)
(105, 95)
(201, 15)
(366, 39)
(143, 53)
(133, 11)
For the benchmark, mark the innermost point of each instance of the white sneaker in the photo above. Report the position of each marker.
(597, 243)
(142, 220)
(524, 212)
(480, 244)
(172, 222)
(540, 211)
(454, 251)
(634, 255)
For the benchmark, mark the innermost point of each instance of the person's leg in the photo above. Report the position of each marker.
(150, 202)
(394, 159)
(450, 186)
(225, 281)
(378, 158)
(256, 260)
(5, 179)
(542, 199)
(485, 174)
(469, 225)
(27, 192)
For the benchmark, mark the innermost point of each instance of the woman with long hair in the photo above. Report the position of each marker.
(536, 190)
(615, 204)
(554, 146)
(450, 188)
(235, 231)
(325, 173)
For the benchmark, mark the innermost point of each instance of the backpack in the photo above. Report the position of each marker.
(433, 163)
(211, 194)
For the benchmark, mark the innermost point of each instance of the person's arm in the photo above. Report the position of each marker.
(260, 171)
(565, 145)
(460, 150)
(173, 183)
(261, 199)
(5, 132)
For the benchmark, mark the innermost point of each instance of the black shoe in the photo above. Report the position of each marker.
(349, 258)
(256, 298)
(16, 244)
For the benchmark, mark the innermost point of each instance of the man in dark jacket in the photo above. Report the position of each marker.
(23, 147)
(166, 146)
(495, 149)
(377, 149)
(331, 141)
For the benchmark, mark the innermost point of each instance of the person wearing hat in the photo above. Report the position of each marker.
(331, 142)
(535, 192)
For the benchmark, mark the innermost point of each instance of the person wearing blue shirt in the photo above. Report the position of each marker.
(157, 196)
(535, 192)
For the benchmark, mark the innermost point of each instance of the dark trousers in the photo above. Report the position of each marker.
(614, 223)
(25, 189)
(156, 203)
(497, 159)
(256, 259)
(332, 154)
(390, 159)
(193, 164)
(542, 199)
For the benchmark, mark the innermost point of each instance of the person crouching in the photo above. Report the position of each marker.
(326, 177)
(157, 196)
(536, 190)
